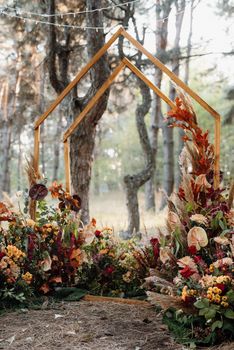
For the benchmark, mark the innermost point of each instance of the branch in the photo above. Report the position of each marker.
(52, 40)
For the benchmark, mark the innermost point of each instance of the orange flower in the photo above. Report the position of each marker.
(54, 189)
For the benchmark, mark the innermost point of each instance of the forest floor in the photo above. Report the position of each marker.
(87, 325)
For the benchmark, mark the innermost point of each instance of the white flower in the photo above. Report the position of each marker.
(187, 261)
(224, 261)
(197, 237)
(200, 219)
(207, 281)
(222, 240)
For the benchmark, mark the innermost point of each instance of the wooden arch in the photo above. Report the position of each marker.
(124, 63)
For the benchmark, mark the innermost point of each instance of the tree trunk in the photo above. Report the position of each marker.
(6, 134)
(168, 139)
(132, 205)
(6, 146)
(162, 11)
(134, 182)
(82, 141)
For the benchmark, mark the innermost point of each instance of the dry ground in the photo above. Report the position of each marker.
(87, 326)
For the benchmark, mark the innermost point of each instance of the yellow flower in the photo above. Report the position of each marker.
(224, 298)
(211, 297)
(224, 304)
(211, 268)
(27, 277)
(14, 253)
(217, 290)
(184, 293)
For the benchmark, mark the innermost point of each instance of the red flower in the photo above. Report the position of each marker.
(186, 272)
(98, 233)
(109, 270)
(197, 259)
(192, 250)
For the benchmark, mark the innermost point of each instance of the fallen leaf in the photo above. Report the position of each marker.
(11, 339)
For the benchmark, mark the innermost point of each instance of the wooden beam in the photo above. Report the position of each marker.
(142, 76)
(80, 75)
(217, 152)
(93, 101)
(97, 298)
(190, 92)
(36, 156)
(67, 166)
(171, 75)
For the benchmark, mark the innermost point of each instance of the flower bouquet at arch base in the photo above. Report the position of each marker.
(195, 262)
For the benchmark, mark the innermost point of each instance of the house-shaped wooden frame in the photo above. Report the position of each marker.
(124, 63)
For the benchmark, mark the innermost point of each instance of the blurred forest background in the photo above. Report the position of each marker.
(129, 143)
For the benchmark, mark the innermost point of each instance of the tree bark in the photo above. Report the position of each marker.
(168, 139)
(83, 139)
(162, 11)
(6, 140)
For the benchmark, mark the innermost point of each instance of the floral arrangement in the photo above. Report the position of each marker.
(110, 268)
(56, 251)
(36, 256)
(196, 255)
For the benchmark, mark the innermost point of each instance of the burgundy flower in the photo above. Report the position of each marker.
(192, 250)
(38, 192)
(98, 233)
(221, 286)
